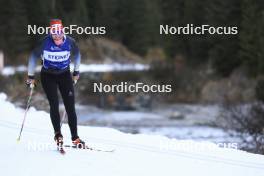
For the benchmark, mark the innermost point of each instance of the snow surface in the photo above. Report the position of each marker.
(120, 116)
(9, 70)
(112, 67)
(134, 154)
(196, 133)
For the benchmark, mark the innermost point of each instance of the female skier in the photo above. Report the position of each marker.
(56, 51)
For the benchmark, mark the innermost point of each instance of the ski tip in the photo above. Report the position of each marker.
(62, 151)
(18, 140)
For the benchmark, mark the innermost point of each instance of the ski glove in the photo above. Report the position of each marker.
(30, 82)
(75, 77)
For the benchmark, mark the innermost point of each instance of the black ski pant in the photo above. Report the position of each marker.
(63, 81)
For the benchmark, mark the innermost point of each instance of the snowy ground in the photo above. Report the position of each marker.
(134, 154)
(104, 67)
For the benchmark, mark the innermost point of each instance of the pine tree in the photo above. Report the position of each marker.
(15, 38)
(140, 24)
(173, 16)
(197, 45)
(250, 36)
(37, 14)
(223, 49)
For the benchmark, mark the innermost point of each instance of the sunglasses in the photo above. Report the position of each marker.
(57, 36)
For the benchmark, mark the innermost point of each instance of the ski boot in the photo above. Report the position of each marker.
(59, 140)
(78, 143)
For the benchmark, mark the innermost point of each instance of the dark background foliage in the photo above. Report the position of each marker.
(136, 25)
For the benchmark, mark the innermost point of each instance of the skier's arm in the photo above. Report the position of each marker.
(35, 55)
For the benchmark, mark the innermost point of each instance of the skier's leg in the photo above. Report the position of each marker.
(50, 87)
(67, 93)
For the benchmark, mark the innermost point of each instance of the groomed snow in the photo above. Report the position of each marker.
(134, 154)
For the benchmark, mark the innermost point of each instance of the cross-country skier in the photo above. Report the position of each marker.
(56, 51)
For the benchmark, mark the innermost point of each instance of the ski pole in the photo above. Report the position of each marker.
(27, 108)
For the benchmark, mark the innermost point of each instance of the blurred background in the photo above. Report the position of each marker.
(217, 80)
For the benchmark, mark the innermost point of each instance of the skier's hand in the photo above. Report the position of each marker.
(30, 82)
(75, 77)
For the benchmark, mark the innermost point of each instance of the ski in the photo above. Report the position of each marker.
(89, 148)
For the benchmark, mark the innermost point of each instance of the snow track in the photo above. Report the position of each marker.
(134, 154)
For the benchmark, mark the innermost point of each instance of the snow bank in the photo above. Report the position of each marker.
(113, 67)
(134, 154)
